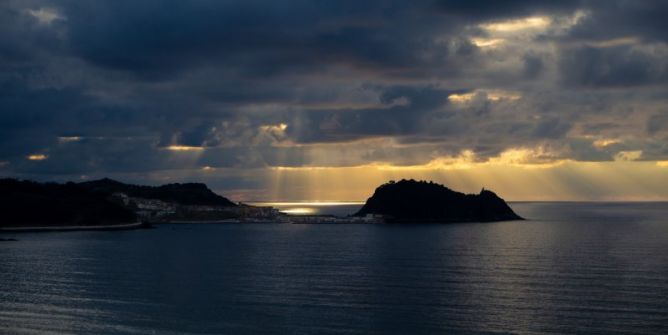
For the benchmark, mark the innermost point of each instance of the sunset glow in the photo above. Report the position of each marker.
(629, 181)
(535, 101)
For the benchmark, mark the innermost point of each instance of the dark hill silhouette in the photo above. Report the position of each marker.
(184, 194)
(420, 201)
(31, 204)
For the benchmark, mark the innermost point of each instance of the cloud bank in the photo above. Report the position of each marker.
(231, 91)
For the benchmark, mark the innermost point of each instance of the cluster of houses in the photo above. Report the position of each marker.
(154, 210)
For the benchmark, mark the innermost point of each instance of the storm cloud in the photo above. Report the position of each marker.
(135, 88)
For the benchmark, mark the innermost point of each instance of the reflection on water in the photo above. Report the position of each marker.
(573, 268)
(299, 211)
(339, 208)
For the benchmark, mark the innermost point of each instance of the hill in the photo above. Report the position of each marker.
(28, 204)
(184, 194)
(420, 201)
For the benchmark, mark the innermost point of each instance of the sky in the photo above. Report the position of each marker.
(325, 100)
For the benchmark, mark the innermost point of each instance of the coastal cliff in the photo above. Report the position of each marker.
(420, 201)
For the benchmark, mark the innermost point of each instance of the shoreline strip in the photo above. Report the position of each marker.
(127, 226)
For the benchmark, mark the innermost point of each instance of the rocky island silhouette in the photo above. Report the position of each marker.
(428, 202)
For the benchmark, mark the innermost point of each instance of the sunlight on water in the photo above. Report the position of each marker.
(299, 211)
(341, 208)
(307, 203)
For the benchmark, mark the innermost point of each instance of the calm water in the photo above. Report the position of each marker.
(574, 268)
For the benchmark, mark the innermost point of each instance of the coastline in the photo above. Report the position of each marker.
(213, 222)
(127, 226)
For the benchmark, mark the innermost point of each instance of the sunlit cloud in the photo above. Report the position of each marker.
(519, 32)
(37, 157)
(277, 130)
(46, 16)
(527, 158)
(465, 160)
(271, 134)
(497, 95)
(614, 42)
(604, 142)
(487, 42)
(491, 95)
(461, 98)
(627, 156)
(518, 24)
(281, 127)
(184, 148)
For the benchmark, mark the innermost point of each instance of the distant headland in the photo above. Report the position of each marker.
(421, 201)
(30, 205)
(110, 204)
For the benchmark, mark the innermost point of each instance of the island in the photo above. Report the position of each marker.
(410, 201)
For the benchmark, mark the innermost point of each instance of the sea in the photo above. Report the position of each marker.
(570, 268)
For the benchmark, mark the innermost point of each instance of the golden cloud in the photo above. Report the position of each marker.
(37, 157)
(183, 148)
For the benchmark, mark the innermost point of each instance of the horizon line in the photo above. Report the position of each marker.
(355, 202)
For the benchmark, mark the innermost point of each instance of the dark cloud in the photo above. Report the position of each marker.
(612, 66)
(406, 110)
(155, 39)
(480, 10)
(258, 84)
(644, 19)
(657, 123)
(551, 128)
(533, 66)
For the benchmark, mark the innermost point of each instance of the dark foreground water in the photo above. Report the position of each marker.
(574, 268)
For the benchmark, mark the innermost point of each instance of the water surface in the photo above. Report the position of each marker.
(573, 268)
